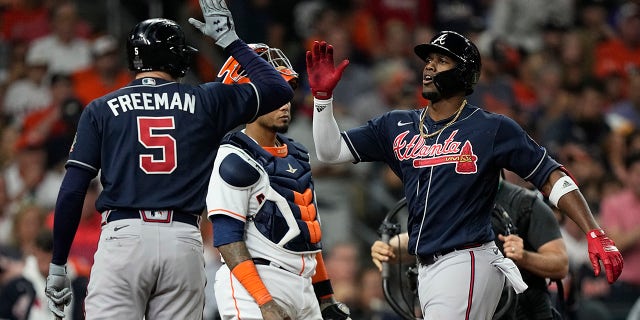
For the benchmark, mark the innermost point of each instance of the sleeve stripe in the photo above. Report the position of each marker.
(82, 164)
(351, 147)
(227, 213)
(537, 166)
(258, 99)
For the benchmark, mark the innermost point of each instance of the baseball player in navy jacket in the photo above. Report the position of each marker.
(449, 156)
(154, 142)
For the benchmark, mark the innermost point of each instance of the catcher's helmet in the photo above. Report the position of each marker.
(466, 73)
(159, 45)
(232, 72)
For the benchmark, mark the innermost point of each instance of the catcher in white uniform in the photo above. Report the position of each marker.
(261, 202)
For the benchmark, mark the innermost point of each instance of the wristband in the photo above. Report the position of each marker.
(323, 289)
(321, 104)
(563, 186)
(321, 283)
(247, 274)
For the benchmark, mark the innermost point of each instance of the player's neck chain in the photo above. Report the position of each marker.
(426, 111)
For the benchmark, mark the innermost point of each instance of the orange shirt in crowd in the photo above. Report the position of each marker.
(88, 85)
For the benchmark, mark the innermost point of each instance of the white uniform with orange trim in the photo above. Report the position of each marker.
(279, 232)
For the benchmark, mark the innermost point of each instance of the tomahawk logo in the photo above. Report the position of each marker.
(440, 40)
(465, 161)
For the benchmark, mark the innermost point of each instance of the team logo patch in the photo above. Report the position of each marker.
(437, 154)
(440, 40)
(73, 144)
(149, 81)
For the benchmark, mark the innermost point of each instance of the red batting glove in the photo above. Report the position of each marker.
(323, 77)
(603, 248)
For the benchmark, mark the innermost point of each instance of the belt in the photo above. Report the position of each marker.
(265, 262)
(166, 216)
(430, 259)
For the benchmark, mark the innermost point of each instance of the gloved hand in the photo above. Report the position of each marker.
(218, 22)
(603, 248)
(334, 310)
(323, 77)
(58, 289)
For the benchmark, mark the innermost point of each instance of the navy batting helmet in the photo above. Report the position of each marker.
(159, 45)
(466, 73)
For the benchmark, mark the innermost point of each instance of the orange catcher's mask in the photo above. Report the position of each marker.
(232, 73)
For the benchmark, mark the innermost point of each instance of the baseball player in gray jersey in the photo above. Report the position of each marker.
(449, 156)
(261, 202)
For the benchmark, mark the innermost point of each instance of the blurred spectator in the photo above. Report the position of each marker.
(461, 16)
(552, 36)
(24, 21)
(575, 67)
(521, 22)
(36, 270)
(106, 74)
(6, 219)
(539, 92)
(64, 49)
(54, 126)
(624, 119)
(393, 89)
(363, 29)
(396, 43)
(617, 55)
(24, 175)
(620, 215)
(413, 13)
(342, 263)
(8, 136)
(26, 224)
(12, 64)
(372, 304)
(582, 125)
(266, 21)
(624, 116)
(16, 293)
(593, 28)
(31, 92)
(494, 91)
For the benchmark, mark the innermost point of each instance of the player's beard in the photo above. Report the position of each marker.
(433, 96)
(280, 129)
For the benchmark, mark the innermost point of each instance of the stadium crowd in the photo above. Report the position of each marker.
(567, 70)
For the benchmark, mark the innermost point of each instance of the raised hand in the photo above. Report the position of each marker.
(323, 76)
(603, 248)
(218, 22)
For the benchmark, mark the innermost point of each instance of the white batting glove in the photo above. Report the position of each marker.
(218, 22)
(58, 289)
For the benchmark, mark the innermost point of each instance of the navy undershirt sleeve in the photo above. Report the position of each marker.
(226, 230)
(273, 90)
(68, 211)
